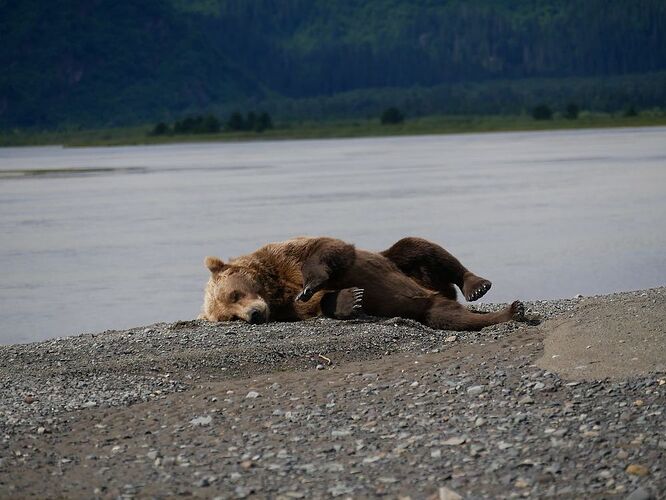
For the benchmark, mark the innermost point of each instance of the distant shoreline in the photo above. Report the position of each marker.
(429, 125)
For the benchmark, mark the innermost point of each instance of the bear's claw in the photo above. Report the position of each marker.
(305, 295)
(358, 299)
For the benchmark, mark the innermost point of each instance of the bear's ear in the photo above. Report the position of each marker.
(214, 264)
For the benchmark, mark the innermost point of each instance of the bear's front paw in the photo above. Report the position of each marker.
(343, 304)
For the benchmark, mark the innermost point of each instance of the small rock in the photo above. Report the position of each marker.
(320, 367)
(444, 493)
(153, 455)
(200, 421)
(252, 395)
(622, 454)
(640, 494)
(339, 489)
(89, 404)
(202, 483)
(454, 441)
(41, 430)
(242, 492)
(28, 400)
(451, 338)
(246, 464)
(637, 470)
(527, 400)
(475, 390)
(521, 483)
(479, 422)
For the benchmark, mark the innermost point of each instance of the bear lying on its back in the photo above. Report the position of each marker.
(307, 277)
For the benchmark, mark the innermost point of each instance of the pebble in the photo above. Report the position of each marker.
(201, 421)
(521, 483)
(252, 395)
(444, 493)
(242, 492)
(475, 390)
(202, 483)
(637, 470)
(640, 493)
(454, 441)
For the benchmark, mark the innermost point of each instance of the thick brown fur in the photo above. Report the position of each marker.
(307, 277)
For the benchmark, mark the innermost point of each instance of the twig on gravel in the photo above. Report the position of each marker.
(328, 360)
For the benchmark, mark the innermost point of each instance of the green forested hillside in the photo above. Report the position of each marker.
(114, 62)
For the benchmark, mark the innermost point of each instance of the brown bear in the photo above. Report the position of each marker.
(306, 277)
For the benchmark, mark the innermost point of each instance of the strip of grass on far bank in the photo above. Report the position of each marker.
(333, 129)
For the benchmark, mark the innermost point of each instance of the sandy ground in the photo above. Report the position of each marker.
(618, 337)
(571, 408)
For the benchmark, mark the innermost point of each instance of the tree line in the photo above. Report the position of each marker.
(210, 124)
(119, 62)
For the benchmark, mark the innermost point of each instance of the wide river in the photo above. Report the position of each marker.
(110, 238)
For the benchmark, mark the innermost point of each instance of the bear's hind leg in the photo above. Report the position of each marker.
(435, 268)
(450, 315)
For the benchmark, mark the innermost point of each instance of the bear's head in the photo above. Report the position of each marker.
(233, 293)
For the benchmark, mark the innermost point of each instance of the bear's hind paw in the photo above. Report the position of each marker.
(475, 288)
(517, 310)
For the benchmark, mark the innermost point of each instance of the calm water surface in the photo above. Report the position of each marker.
(109, 238)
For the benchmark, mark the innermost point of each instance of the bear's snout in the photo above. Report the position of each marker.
(255, 317)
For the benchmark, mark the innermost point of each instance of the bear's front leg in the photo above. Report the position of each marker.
(315, 275)
(328, 259)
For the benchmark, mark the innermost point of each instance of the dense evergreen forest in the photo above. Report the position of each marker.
(118, 62)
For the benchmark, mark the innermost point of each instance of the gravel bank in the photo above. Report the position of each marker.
(236, 410)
